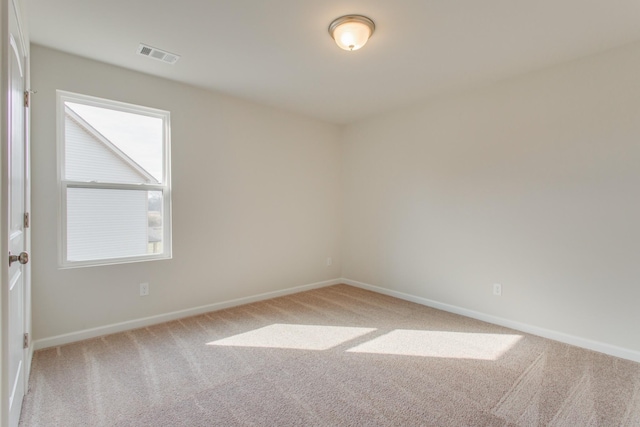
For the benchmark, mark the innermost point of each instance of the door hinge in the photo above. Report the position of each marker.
(26, 340)
(26, 220)
(27, 97)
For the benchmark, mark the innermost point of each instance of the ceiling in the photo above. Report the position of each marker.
(279, 53)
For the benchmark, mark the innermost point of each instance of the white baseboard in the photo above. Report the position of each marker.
(601, 347)
(161, 318)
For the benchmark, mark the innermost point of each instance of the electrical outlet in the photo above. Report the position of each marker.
(329, 261)
(144, 289)
(497, 289)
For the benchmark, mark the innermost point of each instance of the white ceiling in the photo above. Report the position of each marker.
(278, 52)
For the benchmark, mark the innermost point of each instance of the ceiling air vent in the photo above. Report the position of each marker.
(160, 55)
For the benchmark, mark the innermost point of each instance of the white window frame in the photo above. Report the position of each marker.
(64, 184)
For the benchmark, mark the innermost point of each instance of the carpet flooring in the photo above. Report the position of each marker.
(336, 356)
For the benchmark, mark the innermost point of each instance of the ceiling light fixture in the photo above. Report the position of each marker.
(351, 32)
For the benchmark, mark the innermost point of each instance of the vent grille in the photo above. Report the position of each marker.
(159, 54)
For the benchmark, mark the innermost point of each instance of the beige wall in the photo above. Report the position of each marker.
(533, 183)
(256, 202)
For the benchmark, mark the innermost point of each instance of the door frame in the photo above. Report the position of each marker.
(6, 50)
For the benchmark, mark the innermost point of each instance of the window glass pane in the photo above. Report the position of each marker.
(106, 145)
(107, 223)
(155, 222)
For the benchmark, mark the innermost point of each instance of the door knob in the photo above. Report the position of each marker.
(23, 258)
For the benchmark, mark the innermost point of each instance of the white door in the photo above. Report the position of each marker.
(15, 209)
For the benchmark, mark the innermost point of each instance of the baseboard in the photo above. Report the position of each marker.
(161, 318)
(601, 347)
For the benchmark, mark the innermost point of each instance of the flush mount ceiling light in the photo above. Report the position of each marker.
(351, 32)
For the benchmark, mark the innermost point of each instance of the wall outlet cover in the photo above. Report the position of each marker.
(497, 289)
(144, 289)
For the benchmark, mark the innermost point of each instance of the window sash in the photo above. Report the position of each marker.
(166, 228)
(113, 186)
(64, 97)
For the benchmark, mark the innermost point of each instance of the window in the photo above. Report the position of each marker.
(114, 172)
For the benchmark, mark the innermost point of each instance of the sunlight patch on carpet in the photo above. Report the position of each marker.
(297, 337)
(442, 344)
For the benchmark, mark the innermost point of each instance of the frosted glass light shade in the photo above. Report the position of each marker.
(351, 32)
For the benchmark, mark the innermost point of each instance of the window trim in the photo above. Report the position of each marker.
(64, 184)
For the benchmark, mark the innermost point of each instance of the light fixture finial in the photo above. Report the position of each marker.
(351, 32)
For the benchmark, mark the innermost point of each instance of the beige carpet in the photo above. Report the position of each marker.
(337, 356)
